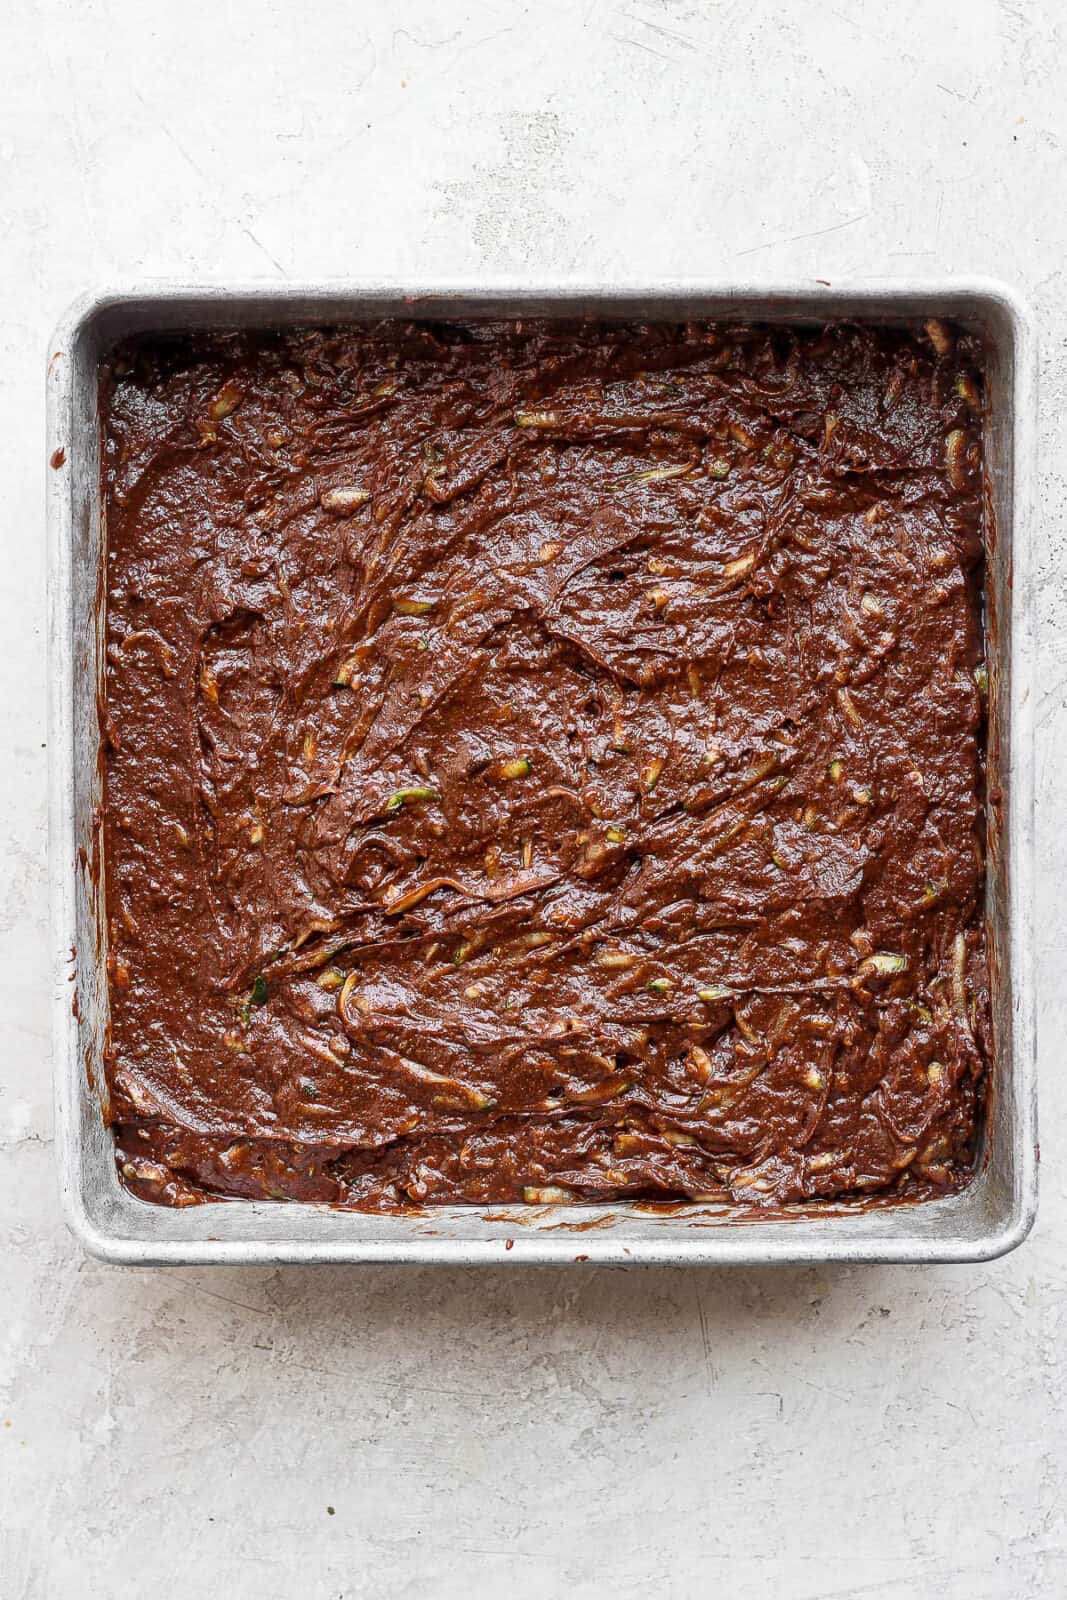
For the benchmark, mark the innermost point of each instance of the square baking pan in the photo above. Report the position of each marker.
(985, 1219)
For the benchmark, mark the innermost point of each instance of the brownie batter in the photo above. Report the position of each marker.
(544, 762)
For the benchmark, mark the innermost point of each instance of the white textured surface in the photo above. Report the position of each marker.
(815, 1433)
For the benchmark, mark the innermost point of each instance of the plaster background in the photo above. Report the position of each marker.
(625, 1432)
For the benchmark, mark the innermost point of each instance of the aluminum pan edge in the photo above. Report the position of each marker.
(993, 1215)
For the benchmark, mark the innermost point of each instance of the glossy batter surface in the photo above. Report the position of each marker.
(545, 762)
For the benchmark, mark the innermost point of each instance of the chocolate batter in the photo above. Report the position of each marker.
(545, 762)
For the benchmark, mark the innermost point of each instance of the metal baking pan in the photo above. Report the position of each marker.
(990, 1216)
